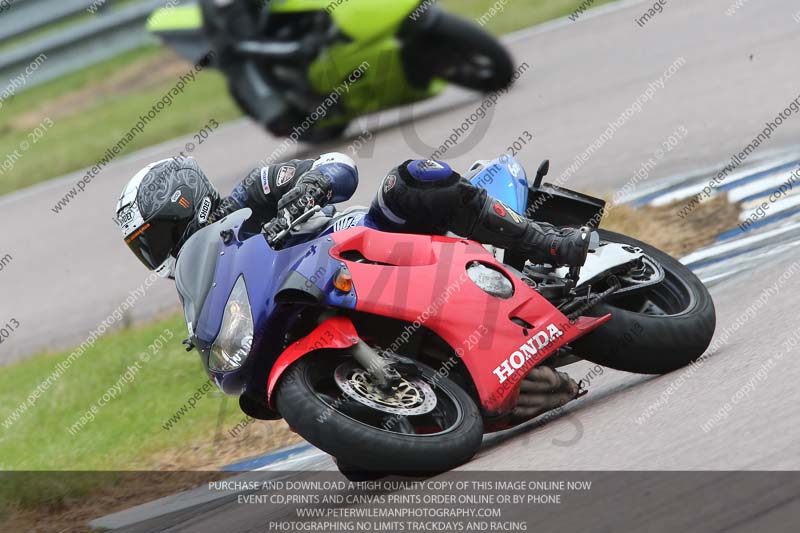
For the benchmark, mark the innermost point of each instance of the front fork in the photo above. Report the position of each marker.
(378, 367)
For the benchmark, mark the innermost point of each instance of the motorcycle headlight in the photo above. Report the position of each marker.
(235, 338)
(490, 280)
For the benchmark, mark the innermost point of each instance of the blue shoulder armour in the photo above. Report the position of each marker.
(429, 171)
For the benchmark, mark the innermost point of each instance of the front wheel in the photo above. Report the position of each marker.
(424, 424)
(657, 329)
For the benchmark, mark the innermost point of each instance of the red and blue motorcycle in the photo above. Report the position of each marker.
(396, 352)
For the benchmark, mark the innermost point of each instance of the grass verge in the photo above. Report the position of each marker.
(678, 237)
(132, 431)
(127, 431)
(93, 108)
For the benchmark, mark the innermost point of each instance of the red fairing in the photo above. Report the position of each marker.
(337, 332)
(423, 280)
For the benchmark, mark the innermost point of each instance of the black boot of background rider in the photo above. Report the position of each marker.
(227, 23)
(428, 197)
(258, 99)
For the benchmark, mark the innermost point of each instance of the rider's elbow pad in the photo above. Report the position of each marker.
(342, 172)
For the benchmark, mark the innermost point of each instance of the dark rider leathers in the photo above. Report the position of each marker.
(331, 178)
(428, 197)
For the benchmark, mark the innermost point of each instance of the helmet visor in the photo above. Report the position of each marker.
(154, 241)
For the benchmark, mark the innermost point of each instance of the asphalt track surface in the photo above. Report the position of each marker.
(71, 269)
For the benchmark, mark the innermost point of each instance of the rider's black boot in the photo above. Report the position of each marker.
(500, 226)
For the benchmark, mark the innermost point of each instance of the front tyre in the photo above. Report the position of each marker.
(431, 426)
(655, 330)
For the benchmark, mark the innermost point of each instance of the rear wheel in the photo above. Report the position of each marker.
(459, 52)
(425, 424)
(657, 329)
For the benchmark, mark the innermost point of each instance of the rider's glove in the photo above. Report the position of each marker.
(313, 188)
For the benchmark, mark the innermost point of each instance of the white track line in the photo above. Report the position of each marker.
(737, 244)
(736, 176)
(766, 185)
(776, 208)
(764, 161)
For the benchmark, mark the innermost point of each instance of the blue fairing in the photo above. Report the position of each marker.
(505, 180)
(265, 271)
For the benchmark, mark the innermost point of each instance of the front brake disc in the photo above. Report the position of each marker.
(408, 397)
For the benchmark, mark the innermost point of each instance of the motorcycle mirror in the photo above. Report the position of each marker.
(544, 168)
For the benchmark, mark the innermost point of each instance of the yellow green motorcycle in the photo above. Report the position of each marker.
(318, 64)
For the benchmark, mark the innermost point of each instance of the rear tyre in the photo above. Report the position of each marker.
(656, 330)
(362, 437)
(459, 52)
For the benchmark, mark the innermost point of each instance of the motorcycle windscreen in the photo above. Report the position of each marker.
(197, 263)
(505, 180)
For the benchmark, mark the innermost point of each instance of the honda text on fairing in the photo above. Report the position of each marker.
(397, 352)
(308, 62)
